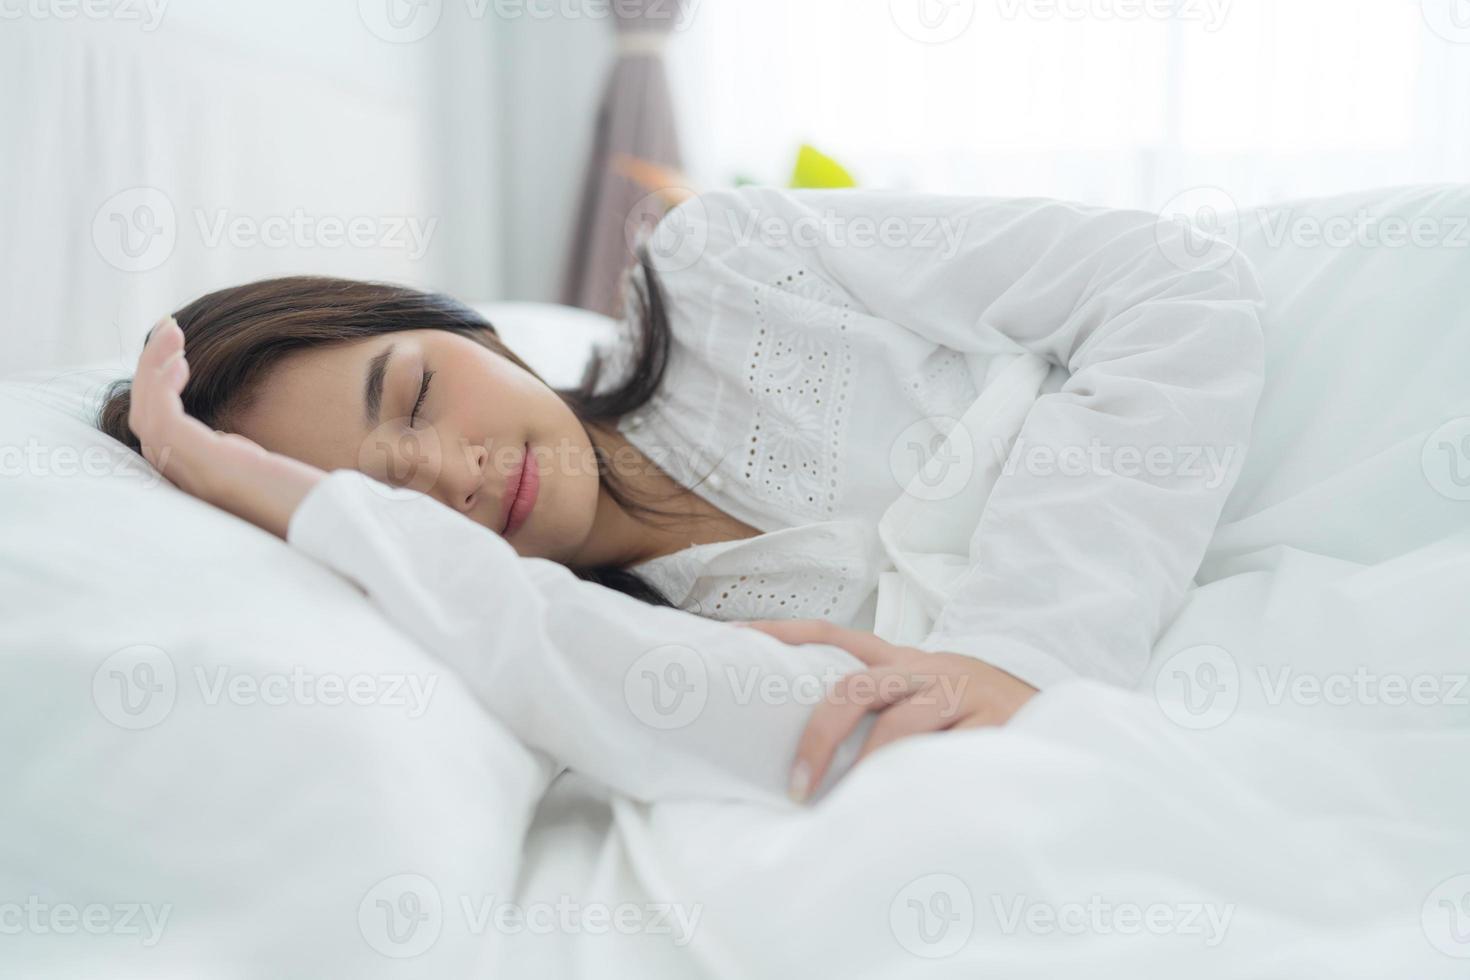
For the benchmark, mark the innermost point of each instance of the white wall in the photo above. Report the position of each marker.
(231, 142)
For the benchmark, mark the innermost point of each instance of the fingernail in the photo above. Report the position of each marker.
(801, 782)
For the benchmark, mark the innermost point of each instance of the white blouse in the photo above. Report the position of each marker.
(814, 370)
(1101, 368)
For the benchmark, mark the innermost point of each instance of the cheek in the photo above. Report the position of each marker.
(402, 456)
(566, 460)
(569, 484)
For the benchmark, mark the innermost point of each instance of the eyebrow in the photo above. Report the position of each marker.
(372, 391)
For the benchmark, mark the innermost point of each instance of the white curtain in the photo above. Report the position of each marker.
(1121, 102)
(144, 166)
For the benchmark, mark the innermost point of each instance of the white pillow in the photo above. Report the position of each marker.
(165, 673)
(1367, 342)
(555, 340)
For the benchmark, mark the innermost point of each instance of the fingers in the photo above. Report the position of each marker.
(868, 648)
(164, 340)
(162, 371)
(156, 411)
(175, 372)
(173, 366)
(917, 715)
(835, 718)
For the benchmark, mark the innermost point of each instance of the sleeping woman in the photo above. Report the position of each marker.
(796, 369)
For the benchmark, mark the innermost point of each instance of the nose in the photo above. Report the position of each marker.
(465, 493)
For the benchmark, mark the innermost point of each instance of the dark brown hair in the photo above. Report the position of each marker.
(234, 336)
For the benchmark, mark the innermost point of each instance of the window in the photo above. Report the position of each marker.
(1121, 102)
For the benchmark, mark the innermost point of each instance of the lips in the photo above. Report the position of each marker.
(521, 494)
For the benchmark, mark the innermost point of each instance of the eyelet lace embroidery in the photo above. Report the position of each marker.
(942, 387)
(790, 587)
(799, 373)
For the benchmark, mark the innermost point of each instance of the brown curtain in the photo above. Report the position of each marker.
(636, 119)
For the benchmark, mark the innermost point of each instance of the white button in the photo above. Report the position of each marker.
(636, 422)
(715, 480)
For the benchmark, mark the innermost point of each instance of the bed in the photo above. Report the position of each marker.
(222, 760)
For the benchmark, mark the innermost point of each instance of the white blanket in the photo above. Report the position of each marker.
(1282, 798)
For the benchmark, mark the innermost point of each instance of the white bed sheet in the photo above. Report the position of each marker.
(1326, 840)
(183, 754)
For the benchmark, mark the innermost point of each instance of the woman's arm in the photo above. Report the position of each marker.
(1071, 571)
(228, 471)
(654, 702)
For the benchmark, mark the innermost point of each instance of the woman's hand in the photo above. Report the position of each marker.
(226, 470)
(914, 691)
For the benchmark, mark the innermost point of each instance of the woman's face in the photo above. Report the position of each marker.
(437, 412)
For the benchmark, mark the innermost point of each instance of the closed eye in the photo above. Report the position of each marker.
(423, 394)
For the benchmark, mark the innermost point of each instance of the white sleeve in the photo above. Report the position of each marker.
(654, 702)
(1075, 571)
